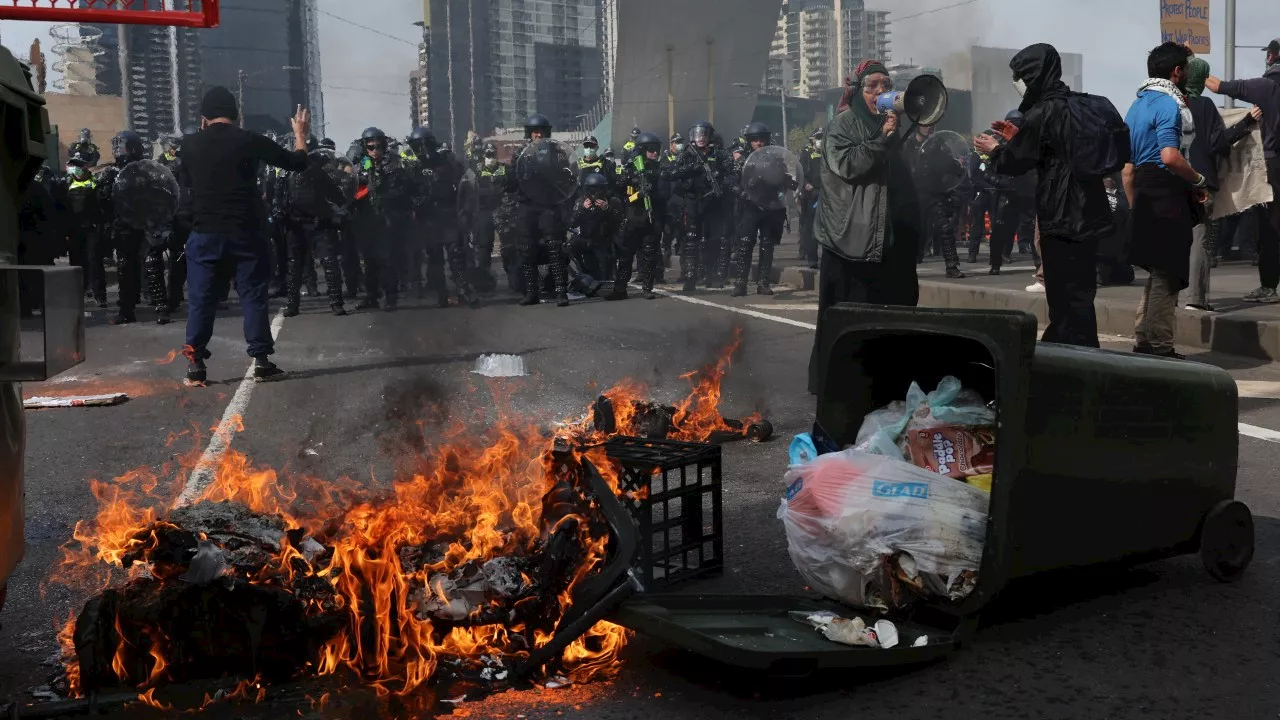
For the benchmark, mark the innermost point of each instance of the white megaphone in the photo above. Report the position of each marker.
(924, 101)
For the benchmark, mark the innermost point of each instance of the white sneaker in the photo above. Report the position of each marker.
(1036, 287)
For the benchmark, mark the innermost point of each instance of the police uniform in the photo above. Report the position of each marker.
(539, 227)
(809, 204)
(640, 238)
(754, 222)
(79, 196)
(438, 179)
(379, 189)
(697, 179)
(490, 182)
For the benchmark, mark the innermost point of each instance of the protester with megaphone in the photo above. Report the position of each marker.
(868, 219)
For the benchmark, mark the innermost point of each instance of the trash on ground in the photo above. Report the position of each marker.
(849, 631)
(500, 366)
(921, 641)
(40, 403)
(880, 533)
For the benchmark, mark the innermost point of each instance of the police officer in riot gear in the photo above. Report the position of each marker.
(346, 266)
(642, 229)
(811, 161)
(595, 218)
(540, 226)
(491, 177)
(697, 179)
(593, 161)
(84, 147)
(755, 221)
(380, 187)
(313, 200)
(130, 243)
(171, 158)
(673, 211)
(629, 147)
(78, 194)
(438, 177)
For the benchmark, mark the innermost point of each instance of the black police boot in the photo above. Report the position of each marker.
(529, 275)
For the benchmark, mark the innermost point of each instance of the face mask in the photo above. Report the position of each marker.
(1021, 87)
(817, 144)
(73, 170)
(679, 147)
(490, 162)
(591, 153)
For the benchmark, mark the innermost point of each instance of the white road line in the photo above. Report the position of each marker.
(1262, 389)
(1254, 388)
(1260, 433)
(203, 473)
(740, 311)
(811, 307)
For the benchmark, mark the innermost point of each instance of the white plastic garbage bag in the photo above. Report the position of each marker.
(861, 527)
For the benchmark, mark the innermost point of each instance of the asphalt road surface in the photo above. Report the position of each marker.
(1161, 640)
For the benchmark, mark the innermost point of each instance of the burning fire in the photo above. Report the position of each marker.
(381, 574)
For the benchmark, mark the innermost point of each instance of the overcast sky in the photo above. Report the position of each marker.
(366, 71)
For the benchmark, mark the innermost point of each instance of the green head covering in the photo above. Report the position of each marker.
(1197, 73)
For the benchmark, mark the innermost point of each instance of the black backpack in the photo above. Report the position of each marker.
(1098, 140)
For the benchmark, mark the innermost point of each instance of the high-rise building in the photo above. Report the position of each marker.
(488, 64)
(268, 47)
(805, 56)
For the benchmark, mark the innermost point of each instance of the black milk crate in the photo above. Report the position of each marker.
(673, 490)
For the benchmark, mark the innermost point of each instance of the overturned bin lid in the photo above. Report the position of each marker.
(766, 632)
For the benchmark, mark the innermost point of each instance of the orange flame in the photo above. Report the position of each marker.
(473, 498)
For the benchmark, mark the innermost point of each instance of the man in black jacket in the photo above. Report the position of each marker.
(221, 166)
(1073, 213)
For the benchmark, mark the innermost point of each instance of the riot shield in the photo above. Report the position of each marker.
(468, 199)
(146, 197)
(944, 160)
(769, 175)
(545, 172)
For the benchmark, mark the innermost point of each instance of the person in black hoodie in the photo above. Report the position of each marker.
(1073, 213)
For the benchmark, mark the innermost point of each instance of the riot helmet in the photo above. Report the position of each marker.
(757, 132)
(373, 141)
(700, 135)
(490, 155)
(423, 141)
(595, 185)
(608, 153)
(86, 135)
(537, 123)
(126, 147)
(635, 133)
(1015, 118)
(647, 142)
(328, 144)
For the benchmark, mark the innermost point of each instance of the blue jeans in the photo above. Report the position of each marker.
(248, 251)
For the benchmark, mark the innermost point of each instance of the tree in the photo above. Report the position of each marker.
(798, 138)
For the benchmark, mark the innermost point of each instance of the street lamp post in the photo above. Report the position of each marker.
(242, 75)
(1229, 52)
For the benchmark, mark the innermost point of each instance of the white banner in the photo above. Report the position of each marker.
(1242, 175)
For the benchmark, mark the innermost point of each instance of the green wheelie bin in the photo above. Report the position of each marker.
(1100, 457)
